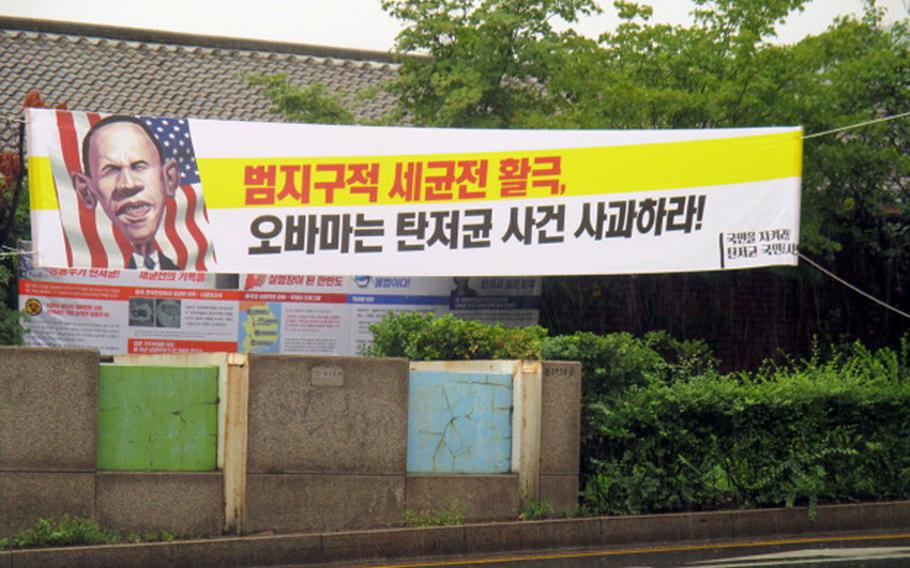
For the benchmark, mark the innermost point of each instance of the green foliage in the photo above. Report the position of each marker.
(451, 514)
(424, 337)
(487, 62)
(11, 331)
(502, 64)
(833, 430)
(314, 104)
(80, 531)
(616, 362)
(686, 357)
(537, 511)
(62, 531)
(610, 363)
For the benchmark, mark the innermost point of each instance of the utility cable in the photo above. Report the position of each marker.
(821, 268)
(852, 287)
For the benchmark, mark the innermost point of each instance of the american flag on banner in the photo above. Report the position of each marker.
(91, 239)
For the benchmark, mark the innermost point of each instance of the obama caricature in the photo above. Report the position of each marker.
(127, 174)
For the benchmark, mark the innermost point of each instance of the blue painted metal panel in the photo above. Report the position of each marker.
(459, 422)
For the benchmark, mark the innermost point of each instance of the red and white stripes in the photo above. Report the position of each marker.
(91, 238)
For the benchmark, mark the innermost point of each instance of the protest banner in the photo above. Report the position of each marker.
(204, 195)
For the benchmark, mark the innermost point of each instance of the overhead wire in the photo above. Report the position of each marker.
(819, 267)
(840, 280)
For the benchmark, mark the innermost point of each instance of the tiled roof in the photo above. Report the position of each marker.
(108, 69)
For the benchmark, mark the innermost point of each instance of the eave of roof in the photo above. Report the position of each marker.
(190, 40)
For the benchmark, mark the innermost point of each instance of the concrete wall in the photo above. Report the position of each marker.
(48, 405)
(327, 443)
(560, 435)
(55, 437)
(327, 415)
(318, 502)
(478, 497)
(183, 503)
(306, 443)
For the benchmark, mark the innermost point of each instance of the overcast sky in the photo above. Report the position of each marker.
(357, 24)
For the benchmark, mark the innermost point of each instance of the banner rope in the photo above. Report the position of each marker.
(17, 120)
(857, 125)
(852, 287)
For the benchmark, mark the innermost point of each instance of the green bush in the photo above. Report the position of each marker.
(610, 363)
(819, 431)
(425, 337)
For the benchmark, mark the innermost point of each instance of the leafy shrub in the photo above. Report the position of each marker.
(610, 363)
(425, 337)
(819, 431)
(685, 357)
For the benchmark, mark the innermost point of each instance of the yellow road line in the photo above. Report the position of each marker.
(649, 550)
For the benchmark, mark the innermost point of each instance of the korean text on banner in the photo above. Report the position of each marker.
(172, 194)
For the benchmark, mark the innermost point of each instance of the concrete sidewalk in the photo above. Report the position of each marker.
(397, 544)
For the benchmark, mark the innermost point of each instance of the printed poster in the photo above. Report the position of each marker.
(120, 311)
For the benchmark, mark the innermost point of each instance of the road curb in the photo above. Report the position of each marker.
(389, 544)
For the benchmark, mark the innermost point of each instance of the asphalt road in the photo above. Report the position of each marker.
(873, 551)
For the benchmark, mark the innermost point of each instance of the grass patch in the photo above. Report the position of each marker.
(452, 514)
(537, 511)
(79, 531)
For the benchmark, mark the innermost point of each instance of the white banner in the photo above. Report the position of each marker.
(167, 194)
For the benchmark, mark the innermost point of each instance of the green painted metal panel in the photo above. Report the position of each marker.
(157, 418)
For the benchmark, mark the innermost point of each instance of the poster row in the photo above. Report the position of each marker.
(130, 311)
